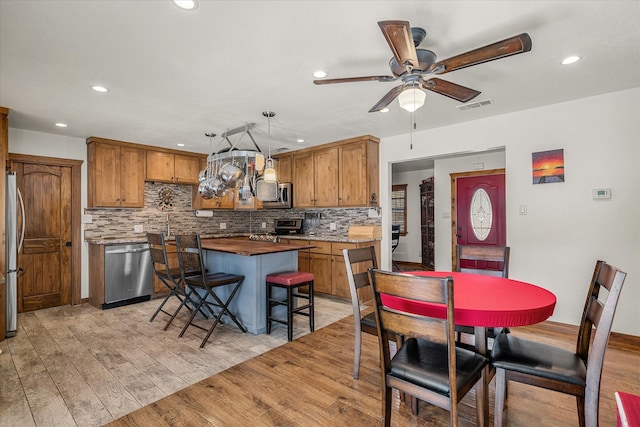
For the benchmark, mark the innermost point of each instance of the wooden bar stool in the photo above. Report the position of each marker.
(292, 281)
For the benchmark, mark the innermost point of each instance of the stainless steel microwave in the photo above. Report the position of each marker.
(285, 197)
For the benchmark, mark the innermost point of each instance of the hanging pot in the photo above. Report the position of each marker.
(230, 174)
(205, 190)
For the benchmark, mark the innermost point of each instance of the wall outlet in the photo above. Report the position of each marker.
(223, 226)
(87, 219)
(138, 228)
(264, 225)
(332, 226)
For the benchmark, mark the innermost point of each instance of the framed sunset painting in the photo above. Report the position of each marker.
(548, 166)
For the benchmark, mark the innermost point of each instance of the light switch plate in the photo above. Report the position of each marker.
(87, 219)
(223, 226)
(332, 226)
(138, 228)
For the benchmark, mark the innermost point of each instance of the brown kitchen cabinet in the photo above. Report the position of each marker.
(315, 179)
(284, 168)
(172, 167)
(340, 174)
(225, 202)
(115, 175)
(326, 262)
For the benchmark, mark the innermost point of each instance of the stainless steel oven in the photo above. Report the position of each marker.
(285, 197)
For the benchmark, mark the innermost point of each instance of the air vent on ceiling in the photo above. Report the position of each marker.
(478, 104)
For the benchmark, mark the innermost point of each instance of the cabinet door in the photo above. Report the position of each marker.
(303, 187)
(320, 266)
(160, 166)
(187, 169)
(132, 177)
(326, 177)
(283, 168)
(340, 283)
(106, 176)
(353, 175)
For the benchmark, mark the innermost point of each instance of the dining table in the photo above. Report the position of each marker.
(484, 301)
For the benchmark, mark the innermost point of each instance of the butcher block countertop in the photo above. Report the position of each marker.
(249, 247)
(142, 238)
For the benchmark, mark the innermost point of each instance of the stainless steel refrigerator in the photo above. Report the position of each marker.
(13, 246)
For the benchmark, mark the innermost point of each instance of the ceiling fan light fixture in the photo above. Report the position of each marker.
(411, 99)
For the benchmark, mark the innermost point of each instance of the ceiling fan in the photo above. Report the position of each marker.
(416, 66)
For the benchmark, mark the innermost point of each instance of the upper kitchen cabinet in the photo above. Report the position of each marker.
(174, 168)
(340, 174)
(115, 174)
(284, 168)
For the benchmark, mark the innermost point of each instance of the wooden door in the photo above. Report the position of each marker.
(480, 210)
(326, 177)
(131, 172)
(46, 252)
(353, 175)
(303, 187)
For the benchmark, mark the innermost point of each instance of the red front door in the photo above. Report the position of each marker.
(480, 210)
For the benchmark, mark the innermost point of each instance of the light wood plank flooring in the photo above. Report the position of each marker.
(82, 366)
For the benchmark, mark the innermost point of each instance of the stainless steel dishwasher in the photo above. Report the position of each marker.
(128, 274)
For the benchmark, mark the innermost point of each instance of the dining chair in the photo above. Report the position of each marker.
(190, 259)
(170, 277)
(357, 262)
(428, 365)
(487, 260)
(542, 365)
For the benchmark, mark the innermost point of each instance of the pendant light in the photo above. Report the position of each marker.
(269, 171)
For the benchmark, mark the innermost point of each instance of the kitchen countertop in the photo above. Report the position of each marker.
(118, 240)
(249, 247)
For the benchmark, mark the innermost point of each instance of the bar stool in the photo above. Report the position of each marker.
(292, 281)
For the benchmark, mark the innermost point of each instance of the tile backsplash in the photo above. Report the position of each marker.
(182, 220)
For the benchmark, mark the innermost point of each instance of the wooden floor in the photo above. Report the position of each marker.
(81, 366)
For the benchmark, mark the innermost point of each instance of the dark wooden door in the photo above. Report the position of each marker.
(45, 257)
(480, 210)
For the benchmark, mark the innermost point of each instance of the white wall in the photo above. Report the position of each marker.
(50, 145)
(565, 231)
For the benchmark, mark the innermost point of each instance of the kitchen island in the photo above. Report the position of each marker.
(254, 260)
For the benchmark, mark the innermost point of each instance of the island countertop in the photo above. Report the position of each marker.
(249, 247)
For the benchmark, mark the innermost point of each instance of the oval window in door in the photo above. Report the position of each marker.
(481, 214)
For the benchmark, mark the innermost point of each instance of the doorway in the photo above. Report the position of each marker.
(51, 252)
(478, 211)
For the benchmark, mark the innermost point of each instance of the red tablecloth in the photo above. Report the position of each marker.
(488, 301)
(628, 409)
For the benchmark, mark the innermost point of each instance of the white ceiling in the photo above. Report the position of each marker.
(174, 75)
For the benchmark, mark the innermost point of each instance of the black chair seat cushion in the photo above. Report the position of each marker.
(426, 364)
(214, 279)
(534, 358)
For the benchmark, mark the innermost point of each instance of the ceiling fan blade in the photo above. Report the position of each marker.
(452, 90)
(356, 79)
(502, 49)
(398, 35)
(388, 98)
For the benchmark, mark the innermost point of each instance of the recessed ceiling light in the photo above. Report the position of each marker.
(385, 110)
(180, 145)
(61, 125)
(186, 4)
(320, 74)
(570, 60)
(99, 88)
(300, 140)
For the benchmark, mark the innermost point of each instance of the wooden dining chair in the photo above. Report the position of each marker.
(190, 258)
(557, 369)
(357, 262)
(428, 365)
(488, 260)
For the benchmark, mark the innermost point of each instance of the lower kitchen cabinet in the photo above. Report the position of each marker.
(326, 262)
